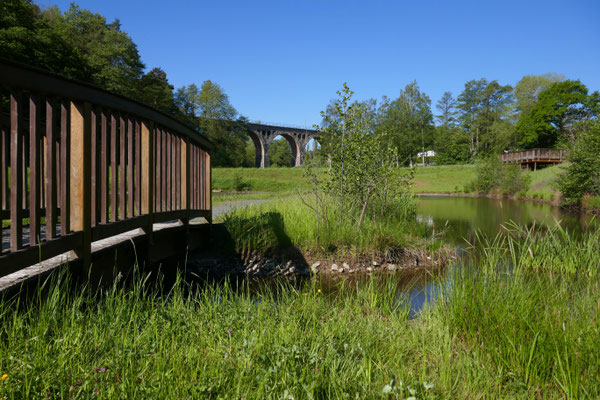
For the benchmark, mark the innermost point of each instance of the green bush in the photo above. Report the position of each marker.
(513, 180)
(583, 172)
(507, 179)
(239, 183)
(488, 174)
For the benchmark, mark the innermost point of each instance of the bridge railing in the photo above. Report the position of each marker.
(80, 164)
(531, 155)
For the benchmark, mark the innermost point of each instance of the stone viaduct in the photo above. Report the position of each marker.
(263, 135)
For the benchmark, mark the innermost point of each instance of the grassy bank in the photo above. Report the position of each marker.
(281, 223)
(433, 179)
(530, 334)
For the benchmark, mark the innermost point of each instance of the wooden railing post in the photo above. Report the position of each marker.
(185, 186)
(208, 187)
(148, 179)
(16, 155)
(80, 182)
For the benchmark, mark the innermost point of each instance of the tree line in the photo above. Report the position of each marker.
(485, 118)
(83, 45)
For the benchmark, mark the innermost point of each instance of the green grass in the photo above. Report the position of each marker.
(434, 179)
(492, 333)
(592, 203)
(443, 178)
(288, 221)
(276, 180)
(543, 184)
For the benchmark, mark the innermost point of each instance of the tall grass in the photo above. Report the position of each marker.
(493, 333)
(537, 248)
(290, 221)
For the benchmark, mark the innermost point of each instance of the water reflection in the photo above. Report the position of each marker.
(460, 218)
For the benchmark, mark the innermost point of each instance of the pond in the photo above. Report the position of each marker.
(460, 218)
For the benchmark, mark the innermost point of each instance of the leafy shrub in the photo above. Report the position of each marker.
(513, 180)
(508, 179)
(239, 183)
(488, 174)
(583, 172)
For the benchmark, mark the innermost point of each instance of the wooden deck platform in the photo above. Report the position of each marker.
(533, 158)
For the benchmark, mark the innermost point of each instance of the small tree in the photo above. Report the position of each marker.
(583, 171)
(361, 177)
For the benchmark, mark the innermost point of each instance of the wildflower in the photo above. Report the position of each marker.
(319, 291)
(229, 331)
(78, 383)
(4, 377)
(96, 369)
(102, 369)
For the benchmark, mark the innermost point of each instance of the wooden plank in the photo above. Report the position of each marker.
(122, 167)
(158, 170)
(168, 169)
(81, 165)
(18, 260)
(104, 162)
(34, 170)
(50, 173)
(185, 174)
(95, 181)
(16, 154)
(129, 168)
(163, 177)
(4, 162)
(208, 182)
(116, 228)
(65, 220)
(138, 168)
(114, 168)
(169, 216)
(147, 160)
(178, 174)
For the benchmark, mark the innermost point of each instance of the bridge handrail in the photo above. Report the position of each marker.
(536, 154)
(91, 162)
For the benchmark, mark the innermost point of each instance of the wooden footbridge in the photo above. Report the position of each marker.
(533, 158)
(83, 169)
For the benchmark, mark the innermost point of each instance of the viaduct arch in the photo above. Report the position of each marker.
(263, 135)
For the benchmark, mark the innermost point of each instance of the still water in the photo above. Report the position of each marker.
(460, 218)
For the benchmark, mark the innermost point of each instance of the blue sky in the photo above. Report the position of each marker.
(282, 61)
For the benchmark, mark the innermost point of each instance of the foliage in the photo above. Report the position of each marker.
(280, 153)
(452, 145)
(483, 108)
(360, 177)
(239, 183)
(582, 174)
(154, 89)
(528, 89)
(111, 58)
(447, 108)
(514, 180)
(208, 108)
(407, 123)
(508, 179)
(27, 37)
(552, 120)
